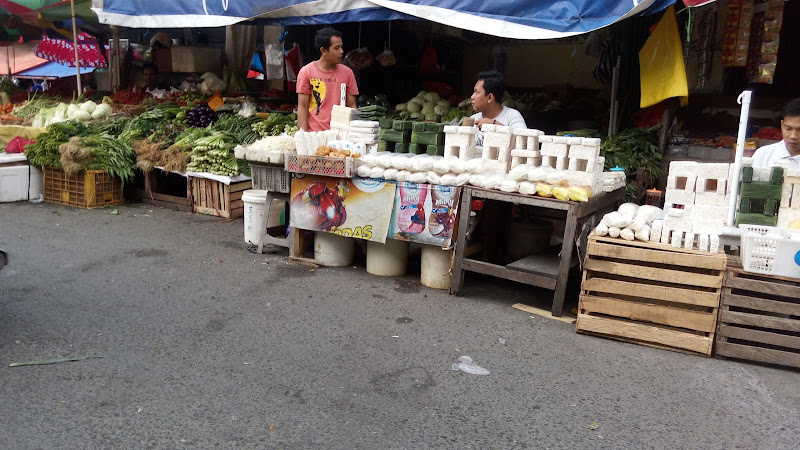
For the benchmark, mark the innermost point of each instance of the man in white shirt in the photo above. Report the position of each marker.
(789, 148)
(486, 98)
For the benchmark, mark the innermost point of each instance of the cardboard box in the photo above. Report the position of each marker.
(196, 59)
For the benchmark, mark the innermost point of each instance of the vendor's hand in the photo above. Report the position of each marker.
(480, 123)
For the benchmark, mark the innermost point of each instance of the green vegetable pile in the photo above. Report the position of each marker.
(276, 124)
(142, 125)
(635, 150)
(44, 152)
(214, 154)
(34, 105)
(112, 155)
(240, 127)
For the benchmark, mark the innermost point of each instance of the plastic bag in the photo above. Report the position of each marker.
(467, 365)
(273, 64)
(211, 84)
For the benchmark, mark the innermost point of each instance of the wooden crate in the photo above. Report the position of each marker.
(86, 189)
(167, 190)
(759, 317)
(218, 199)
(651, 294)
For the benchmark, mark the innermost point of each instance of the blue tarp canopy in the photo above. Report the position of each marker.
(51, 70)
(531, 19)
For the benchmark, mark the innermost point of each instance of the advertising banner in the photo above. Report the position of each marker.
(359, 207)
(424, 213)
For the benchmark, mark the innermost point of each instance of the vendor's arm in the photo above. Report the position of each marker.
(351, 101)
(302, 110)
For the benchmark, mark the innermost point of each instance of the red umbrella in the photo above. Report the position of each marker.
(62, 51)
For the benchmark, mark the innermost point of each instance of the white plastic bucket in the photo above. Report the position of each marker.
(332, 250)
(254, 213)
(389, 259)
(435, 267)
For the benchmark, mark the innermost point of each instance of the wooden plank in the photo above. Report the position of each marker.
(234, 213)
(763, 337)
(765, 355)
(236, 204)
(758, 320)
(501, 272)
(236, 195)
(663, 315)
(542, 313)
(648, 333)
(707, 261)
(667, 293)
(761, 304)
(167, 198)
(541, 264)
(206, 210)
(241, 186)
(519, 199)
(764, 287)
(653, 246)
(655, 274)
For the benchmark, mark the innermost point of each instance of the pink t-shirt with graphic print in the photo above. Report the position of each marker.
(325, 92)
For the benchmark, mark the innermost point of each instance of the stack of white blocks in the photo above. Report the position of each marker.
(459, 141)
(526, 147)
(340, 120)
(363, 132)
(497, 144)
(554, 152)
(696, 202)
(585, 162)
(789, 212)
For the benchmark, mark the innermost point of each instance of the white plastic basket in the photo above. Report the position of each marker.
(770, 250)
(270, 178)
(320, 165)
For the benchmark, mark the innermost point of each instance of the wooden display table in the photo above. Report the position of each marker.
(547, 271)
(651, 294)
(759, 318)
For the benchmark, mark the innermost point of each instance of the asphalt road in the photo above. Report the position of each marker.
(194, 342)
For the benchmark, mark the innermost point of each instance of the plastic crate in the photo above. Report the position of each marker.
(87, 189)
(770, 250)
(320, 165)
(270, 178)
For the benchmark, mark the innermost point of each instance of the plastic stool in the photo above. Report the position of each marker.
(264, 237)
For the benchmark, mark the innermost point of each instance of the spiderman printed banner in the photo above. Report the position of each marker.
(359, 207)
(424, 213)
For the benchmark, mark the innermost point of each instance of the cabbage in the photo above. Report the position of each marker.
(88, 106)
(83, 116)
(421, 94)
(427, 108)
(416, 115)
(400, 107)
(71, 110)
(413, 107)
(61, 109)
(432, 97)
(432, 117)
(102, 110)
(417, 100)
(441, 109)
(443, 102)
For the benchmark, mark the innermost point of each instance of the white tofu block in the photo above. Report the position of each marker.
(503, 129)
(746, 161)
(525, 153)
(340, 126)
(468, 130)
(677, 237)
(678, 223)
(527, 132)
(497, 140)
(488, 128)
(710, 199)
(574, 141)
(452, 129)
(703, 243)
(672, 183)
(559, 140)
(788, 218)
(713, 244)
(703, 225)
(665, 235)
(721, 188)
(545, 138)
(579, 151)
(718, 213)
(582, 165)
(676, 197)
(591, 142)
(761, 173)
(582, 178)
(688, 241)
(655, 230)
(556, 162)
(683, 168)
(713, 171)
(553, 149)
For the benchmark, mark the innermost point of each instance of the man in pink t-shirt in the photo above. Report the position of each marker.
(318, 83)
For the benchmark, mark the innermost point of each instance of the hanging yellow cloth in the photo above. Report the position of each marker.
(661, 65)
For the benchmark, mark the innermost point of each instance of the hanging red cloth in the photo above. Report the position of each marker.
(62, 51)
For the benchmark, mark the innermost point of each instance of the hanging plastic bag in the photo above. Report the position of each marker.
(293, 63)
(661, 65)
(274, 62)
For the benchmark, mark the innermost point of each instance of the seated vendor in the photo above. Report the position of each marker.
(151, 83)
(486, 99)
(789, 148)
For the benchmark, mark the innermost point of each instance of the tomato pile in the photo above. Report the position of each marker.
(128, 97)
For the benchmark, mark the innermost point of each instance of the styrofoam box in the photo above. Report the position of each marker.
(19, 183)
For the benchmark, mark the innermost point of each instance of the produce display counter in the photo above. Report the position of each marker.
(547, 271)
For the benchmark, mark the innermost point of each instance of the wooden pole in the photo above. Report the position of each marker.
(114, 75)
(75, 43)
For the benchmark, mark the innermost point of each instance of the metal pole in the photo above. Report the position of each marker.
(75, 43)
(612, 116)
(114, 75)
(744, 100)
